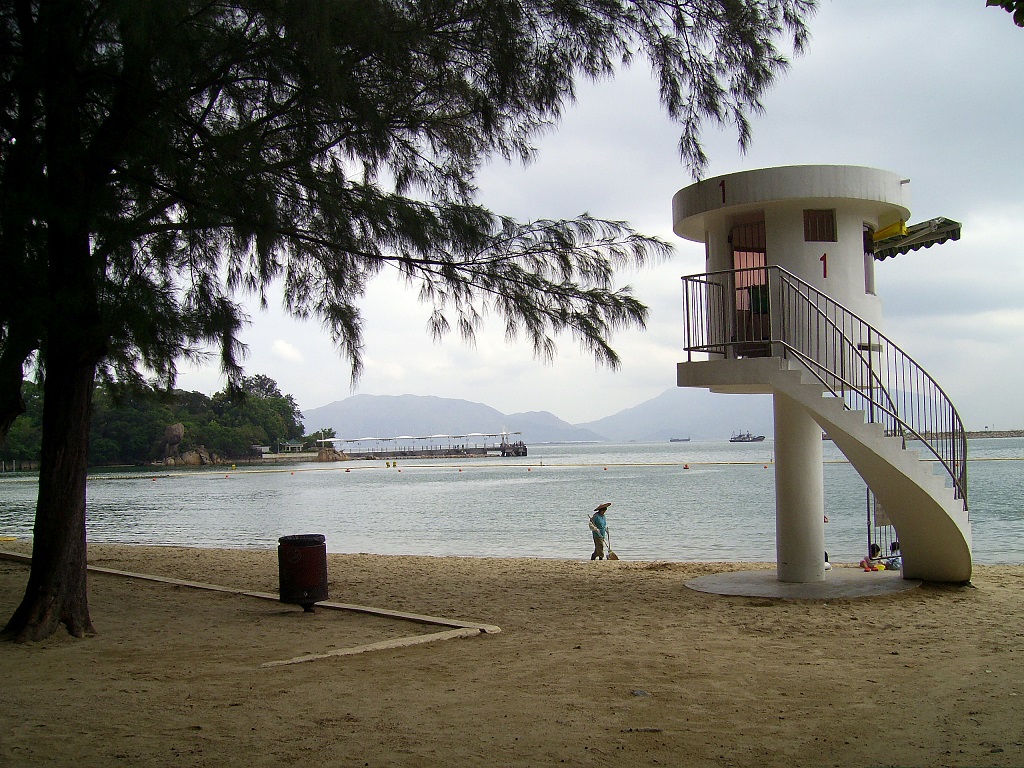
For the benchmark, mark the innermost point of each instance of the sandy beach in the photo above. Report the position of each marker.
(596, 663)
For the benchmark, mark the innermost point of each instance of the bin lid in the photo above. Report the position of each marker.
(303, 539)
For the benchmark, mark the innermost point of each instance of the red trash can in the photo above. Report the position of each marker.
(302, 569)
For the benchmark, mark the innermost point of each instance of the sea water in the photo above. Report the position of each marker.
(699, 500)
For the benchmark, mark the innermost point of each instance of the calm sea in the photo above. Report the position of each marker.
(700, 500)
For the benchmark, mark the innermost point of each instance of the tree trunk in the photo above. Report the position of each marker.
(57, 592)
(73, 344)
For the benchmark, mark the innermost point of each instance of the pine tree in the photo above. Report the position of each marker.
(162, 160)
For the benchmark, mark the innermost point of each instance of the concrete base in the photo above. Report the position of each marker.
(838, 583)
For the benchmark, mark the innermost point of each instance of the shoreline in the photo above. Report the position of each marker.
(23, 545)
(596, 662)
(313, 456)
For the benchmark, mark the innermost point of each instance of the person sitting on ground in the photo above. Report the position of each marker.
(895, 561)
(828, 565)
(874, 558)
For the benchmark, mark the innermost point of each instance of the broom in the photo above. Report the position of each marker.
(608, 541)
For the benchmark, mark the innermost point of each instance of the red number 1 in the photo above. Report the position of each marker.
(824, 266)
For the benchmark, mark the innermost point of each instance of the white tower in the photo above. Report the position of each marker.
(790, 275)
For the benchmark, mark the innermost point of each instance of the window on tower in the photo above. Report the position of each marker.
(820, 226)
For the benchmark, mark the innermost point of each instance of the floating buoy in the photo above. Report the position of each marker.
(529, 469)
(686, 466)
(348, 470)
(606, 469)
(227, 476)
(293, 473)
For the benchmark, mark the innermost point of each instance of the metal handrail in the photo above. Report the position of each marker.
(769, 311)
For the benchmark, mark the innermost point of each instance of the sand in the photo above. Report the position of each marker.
(597, 663)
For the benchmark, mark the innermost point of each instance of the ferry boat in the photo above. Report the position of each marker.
(746, 437)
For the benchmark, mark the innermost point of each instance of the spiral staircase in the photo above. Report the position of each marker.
(765, 330)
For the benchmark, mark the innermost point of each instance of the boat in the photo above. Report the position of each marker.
(517, 448)
(746, 437)
(679, 440)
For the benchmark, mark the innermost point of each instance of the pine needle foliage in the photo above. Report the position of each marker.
(224, 148)
(164, 161)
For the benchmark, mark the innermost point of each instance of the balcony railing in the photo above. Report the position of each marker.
(768, 311)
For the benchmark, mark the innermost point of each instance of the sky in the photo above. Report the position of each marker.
(929, 89)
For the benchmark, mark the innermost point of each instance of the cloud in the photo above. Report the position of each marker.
(927, 89)
(287, 352)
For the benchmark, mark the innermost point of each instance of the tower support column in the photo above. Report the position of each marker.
(799, 493)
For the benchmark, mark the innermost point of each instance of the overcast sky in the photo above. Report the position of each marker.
(930, 89)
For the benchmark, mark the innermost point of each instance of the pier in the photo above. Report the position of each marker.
(470, 445)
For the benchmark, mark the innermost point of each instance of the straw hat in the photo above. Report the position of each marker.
(602, 507)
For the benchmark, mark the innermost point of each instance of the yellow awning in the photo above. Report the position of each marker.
(899, 229)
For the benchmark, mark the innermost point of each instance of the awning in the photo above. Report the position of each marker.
(923, 235)
(899, 229)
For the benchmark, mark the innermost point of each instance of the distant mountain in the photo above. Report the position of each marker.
(390, 416)
(393, 415)
(551, 429)
(679, 412)
(686, 412)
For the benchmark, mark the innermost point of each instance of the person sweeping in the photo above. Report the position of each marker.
(599, 527)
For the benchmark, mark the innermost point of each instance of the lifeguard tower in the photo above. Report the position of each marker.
(788, 307)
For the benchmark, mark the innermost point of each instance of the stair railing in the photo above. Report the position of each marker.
(768, 311)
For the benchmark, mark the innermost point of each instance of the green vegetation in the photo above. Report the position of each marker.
(131, 427)
(24, 438)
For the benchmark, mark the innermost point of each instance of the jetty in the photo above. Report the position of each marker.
(469, 445)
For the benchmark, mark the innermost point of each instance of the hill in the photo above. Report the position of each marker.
(684, 412)
(692, 413)
(392, 415)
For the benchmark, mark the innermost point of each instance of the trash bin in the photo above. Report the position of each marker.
(302, 569)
